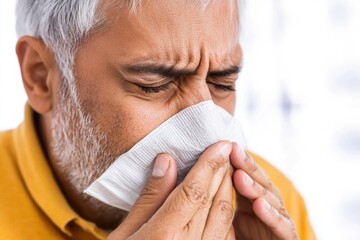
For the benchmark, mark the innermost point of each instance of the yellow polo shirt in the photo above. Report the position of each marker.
(32, 205)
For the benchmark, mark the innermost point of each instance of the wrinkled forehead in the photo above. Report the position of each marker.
(179, 25)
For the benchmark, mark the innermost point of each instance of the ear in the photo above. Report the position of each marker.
(39, 71)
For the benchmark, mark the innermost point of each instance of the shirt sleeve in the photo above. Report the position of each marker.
(297, 210)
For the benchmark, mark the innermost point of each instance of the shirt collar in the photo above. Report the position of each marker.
(40, 180)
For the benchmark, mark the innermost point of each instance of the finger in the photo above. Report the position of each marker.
(241, 160)
(281, 225)
(185, 200)
(221, 214)
(264, 187)
(247, 187)
(156, 190)
(201, 215)
(231, 234)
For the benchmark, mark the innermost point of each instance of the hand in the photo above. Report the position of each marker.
(199, 208)
(260, 210)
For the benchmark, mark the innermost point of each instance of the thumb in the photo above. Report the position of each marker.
(158, 187)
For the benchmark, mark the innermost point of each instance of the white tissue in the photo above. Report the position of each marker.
(184, 136)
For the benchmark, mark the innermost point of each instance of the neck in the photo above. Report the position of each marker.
(89, 208)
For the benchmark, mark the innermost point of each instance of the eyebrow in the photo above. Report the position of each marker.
(173, 72)
(225, 72)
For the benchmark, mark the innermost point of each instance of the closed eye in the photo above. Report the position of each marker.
(157, 89)
(226, 88)
(164, 87)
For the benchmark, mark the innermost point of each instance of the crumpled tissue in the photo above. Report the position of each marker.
(184, 136)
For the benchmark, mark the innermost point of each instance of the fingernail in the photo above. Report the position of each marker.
(249, 180)
(241, 152)
(225, 149)
(161, 166)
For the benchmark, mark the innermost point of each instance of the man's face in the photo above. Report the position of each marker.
(112, 66)
(146, 66)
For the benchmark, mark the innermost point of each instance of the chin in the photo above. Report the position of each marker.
(105, 216)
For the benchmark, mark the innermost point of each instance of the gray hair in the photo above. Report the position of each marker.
(63, 24)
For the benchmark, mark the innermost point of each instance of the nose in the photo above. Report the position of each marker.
(194, 89)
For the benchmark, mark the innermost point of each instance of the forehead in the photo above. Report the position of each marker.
(175, 29)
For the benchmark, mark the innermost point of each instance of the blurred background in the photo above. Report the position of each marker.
(298, 99)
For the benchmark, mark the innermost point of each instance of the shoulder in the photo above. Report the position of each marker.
(6, 148)
(11, 186)
(5, 137)
(9, 170)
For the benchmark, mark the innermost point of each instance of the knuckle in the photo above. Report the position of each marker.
(283, 210)
(192, 192)
(252, 164)
(206, 201)
(227, 211)
(284, 221)
(262, 190)
(216, 162)
(277, 215)
(269, 184)
(149, 191)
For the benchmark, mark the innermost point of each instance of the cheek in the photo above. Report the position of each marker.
(124, 122)
(228, 103)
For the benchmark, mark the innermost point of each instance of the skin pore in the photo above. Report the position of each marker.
(130, 77)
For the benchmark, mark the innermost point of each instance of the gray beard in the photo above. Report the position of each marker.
(79, 148)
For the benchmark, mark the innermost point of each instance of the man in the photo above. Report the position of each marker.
(101, 75)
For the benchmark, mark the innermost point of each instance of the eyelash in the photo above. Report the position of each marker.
(225, 88)
(166, 86)
(155, 89)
